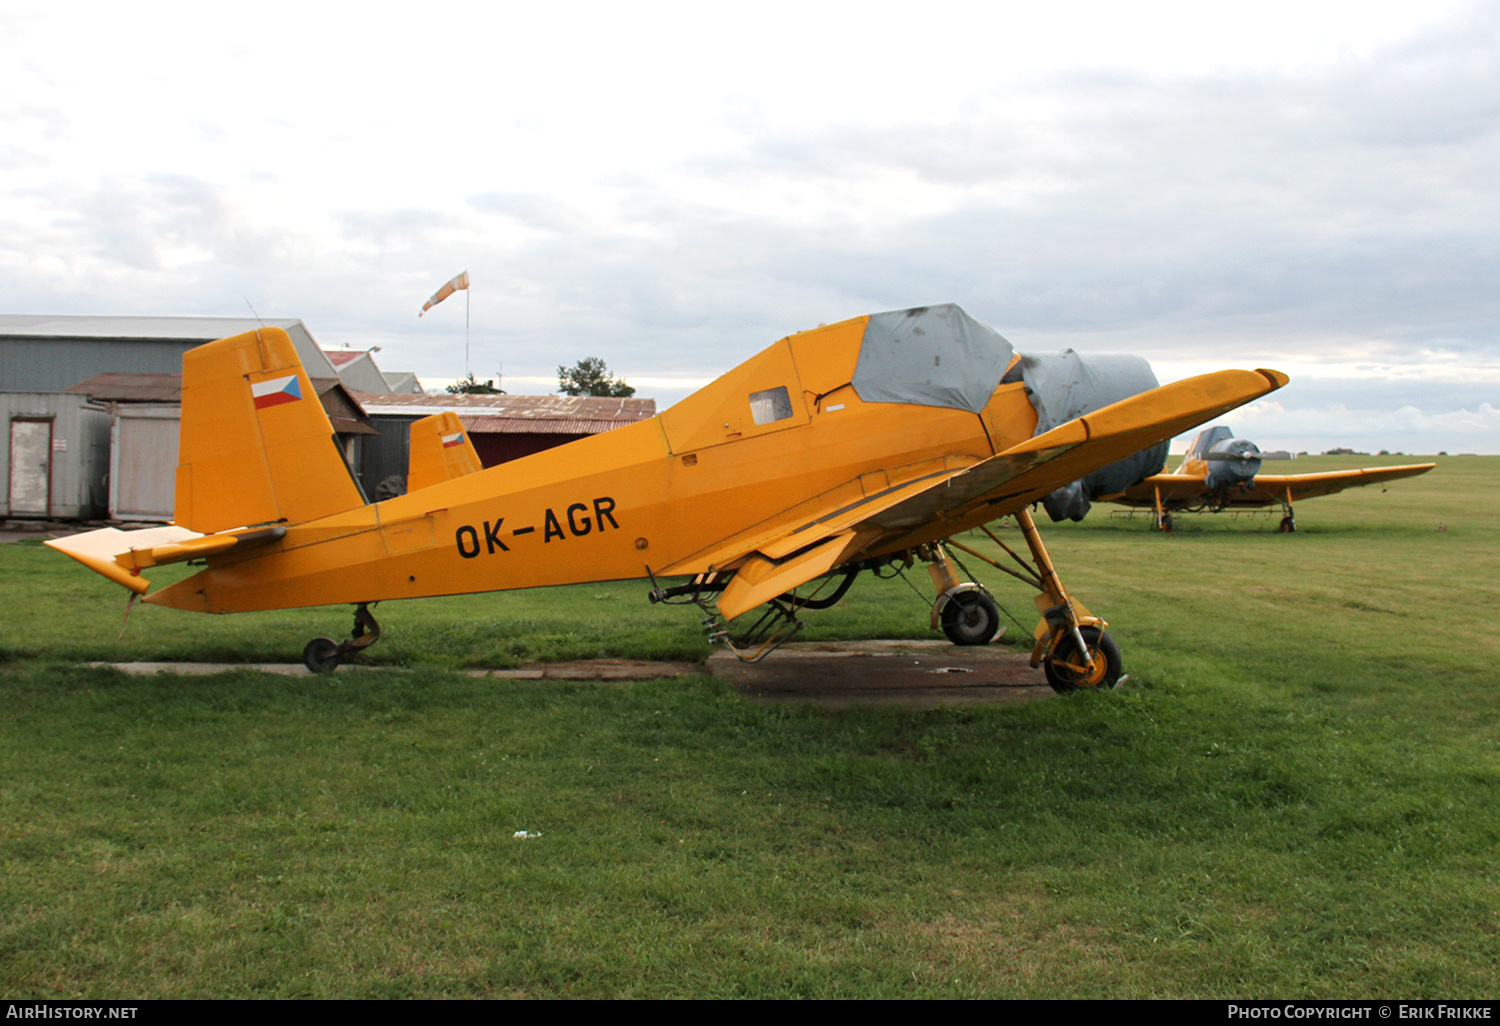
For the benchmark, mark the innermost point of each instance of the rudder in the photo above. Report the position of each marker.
(441, 450)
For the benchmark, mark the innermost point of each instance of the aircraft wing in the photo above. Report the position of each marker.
(862, 518)
(1267, 489)
(1176, 490)
(1306, 486)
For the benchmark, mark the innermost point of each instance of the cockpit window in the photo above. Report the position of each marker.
(771, 405)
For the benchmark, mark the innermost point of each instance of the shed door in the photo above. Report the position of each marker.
(30, 467)
(143, 482)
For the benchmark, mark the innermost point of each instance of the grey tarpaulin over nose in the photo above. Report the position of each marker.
(1233, 461)
(930, 356)
(1063, 386)
(940, 356)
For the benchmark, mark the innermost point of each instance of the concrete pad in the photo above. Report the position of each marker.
(205, 669)
(920, 674)
(833, 674)
(592, 669)
(596, 669)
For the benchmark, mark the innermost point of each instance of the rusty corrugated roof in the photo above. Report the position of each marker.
(481, 424)
(131, 388)
(526, 407)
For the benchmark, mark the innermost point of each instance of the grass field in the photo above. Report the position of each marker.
(1296, 794)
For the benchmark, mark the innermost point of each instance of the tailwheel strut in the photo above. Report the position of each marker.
(323, 655)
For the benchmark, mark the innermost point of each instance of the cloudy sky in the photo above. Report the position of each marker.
(1309, 186)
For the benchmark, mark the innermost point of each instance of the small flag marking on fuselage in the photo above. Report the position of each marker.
(275, 391)
(449, 441)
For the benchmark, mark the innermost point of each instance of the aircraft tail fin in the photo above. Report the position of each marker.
(441, 450)
(256, 446)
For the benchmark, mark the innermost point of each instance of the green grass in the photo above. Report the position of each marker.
(1295, 796)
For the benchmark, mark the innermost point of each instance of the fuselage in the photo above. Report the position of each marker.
(660, 496)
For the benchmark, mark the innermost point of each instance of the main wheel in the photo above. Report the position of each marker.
(1288, 526)
(321, 655)
(1106, 658)
(971, 618)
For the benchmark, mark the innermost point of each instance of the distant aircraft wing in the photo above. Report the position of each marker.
(888, 510)
(1175, 489)
(1307, 486)
(1267, 489)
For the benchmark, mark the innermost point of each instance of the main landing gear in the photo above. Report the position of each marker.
(964, 610)
(323, 655)
(1288, 522)
(1163, 517)
(1071, 643)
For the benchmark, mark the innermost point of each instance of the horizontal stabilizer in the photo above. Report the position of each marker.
(122, 555)
(97, 550)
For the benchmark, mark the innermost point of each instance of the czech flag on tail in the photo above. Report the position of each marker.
(449, 441)
(275, 391)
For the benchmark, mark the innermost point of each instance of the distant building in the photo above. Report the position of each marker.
(402, 383)
(49, 353)
(144, 413)
(502, 427)
(57, 455)
(357, 370)
(91, 406)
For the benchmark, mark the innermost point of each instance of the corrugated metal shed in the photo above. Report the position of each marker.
(356, 368)
(44, 353)
(145, 411)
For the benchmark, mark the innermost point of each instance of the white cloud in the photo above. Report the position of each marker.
(1302, 185)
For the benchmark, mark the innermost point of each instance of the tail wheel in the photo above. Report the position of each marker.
(321, 655)
(971, 618)
(1106, 663)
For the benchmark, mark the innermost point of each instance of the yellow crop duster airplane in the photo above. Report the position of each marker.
(1220, 472)
(859, 445)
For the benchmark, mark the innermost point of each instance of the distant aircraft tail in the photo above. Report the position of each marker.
(256, 446)
(440, 451)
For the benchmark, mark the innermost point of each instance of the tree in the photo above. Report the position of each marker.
(591, 377)
(472, 386)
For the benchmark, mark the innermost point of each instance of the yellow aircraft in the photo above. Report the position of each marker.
(862, 445)
(1222, 472)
